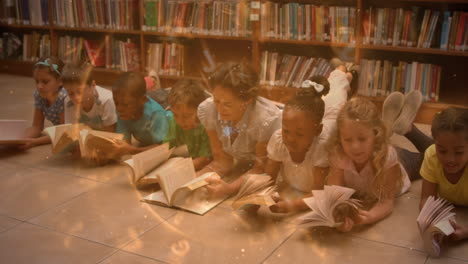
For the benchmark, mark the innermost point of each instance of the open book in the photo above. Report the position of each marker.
(256, 189)
(329, 206)
(12, 131)
(182, 189)
(94, 143)
(90, 142)
(434, 225)
(147, 164)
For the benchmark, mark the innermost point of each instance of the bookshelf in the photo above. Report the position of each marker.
(248, 41)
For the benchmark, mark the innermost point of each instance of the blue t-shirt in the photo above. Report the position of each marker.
(52, 112)
(150, 129)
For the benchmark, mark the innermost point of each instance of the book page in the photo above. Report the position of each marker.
(12, 131)
(260, 197)
(153, 176)
(156, 198)
(198, 201)
(146, 161)
(180, 151)
(175, 176)
(253, 183)
(434, 223)
(323, 205)
(96, 145)
(199, 181)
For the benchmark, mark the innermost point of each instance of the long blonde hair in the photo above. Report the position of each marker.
(364, 111)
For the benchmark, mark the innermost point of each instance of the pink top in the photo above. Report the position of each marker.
(360, 180)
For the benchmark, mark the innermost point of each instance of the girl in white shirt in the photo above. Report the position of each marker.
(362, 159)
(296, 153)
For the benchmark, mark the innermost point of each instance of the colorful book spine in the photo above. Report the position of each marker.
(380, 78)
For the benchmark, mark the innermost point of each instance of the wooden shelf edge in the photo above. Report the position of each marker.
(307, 42)
(98, 30)
(47, 27)
(192, 36)
(415, 50)
(437, 1)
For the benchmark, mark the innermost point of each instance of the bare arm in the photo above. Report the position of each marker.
(201, 162)
(37, 126)
(33, 134)
(336, 177)
(272, 168)
(384, 207)
(222, 162)
(428, 189)
(110, 128)
(298, 204)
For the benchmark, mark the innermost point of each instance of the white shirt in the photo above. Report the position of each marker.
(258, 123)
(300, 176)
(102, 112)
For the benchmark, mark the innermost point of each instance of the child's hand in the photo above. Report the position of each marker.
(217, 187)
(347, 225)
(281, 205)
(364, 217)
(460, 233)
(29, 143)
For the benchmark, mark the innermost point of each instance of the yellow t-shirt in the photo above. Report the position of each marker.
(432, 171)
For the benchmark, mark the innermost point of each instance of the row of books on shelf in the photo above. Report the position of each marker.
(108, 14)
(28, 47)
(24, 12)
(227, 18)
(35, 46)
(415, 27)
(380, 78)
(111, 53)
(308, 22)
(166, 58)
(290, 70)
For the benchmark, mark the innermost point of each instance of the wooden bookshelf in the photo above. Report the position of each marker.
(251, 48)
(414, 50)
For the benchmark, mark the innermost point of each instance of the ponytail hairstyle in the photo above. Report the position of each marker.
(309, 98)
(238, 77)
(365, 112)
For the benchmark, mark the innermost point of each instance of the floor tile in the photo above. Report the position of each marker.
(110, 214)
(403, 218)
(7, 223)
(30, 244)
(329, 247)
(220, 236)
(445, 260)
(123, 257)
(415, 190)
(30, 192)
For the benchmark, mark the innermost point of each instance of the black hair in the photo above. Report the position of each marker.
(309, 100)
(187, 91)
(51, 60)
(132, 83)
(78, 74)
(240, 78)
(452, 119)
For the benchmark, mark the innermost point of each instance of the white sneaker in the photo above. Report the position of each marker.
(413, 101)
(391, 109)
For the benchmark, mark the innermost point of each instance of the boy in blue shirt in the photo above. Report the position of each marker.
(138, 115)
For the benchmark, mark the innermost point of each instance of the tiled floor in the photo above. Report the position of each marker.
(57, 210)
